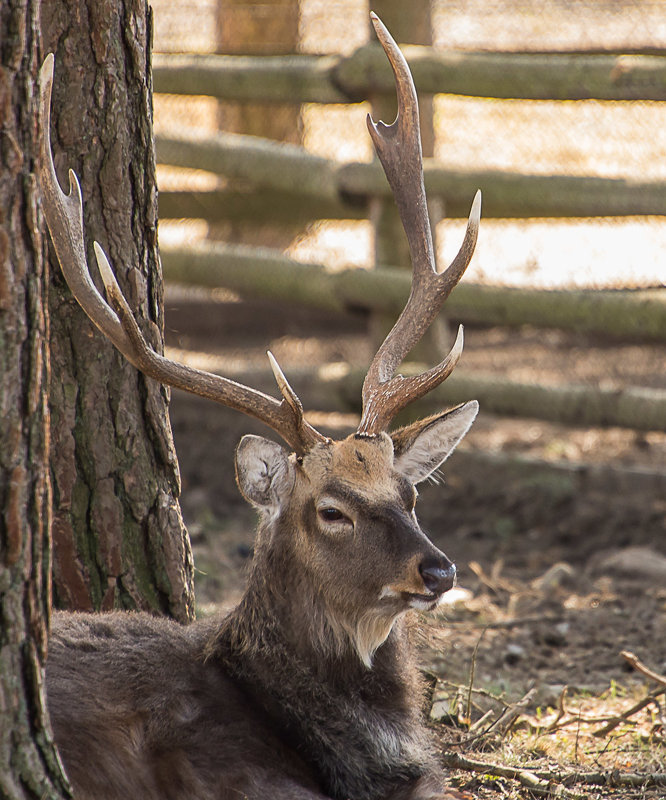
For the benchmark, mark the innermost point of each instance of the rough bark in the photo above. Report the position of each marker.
(118, 535)
(29, 766)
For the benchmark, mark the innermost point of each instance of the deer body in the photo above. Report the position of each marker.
(170, 723)
(307, 688)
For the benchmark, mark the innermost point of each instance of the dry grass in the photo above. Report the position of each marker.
(559, 752)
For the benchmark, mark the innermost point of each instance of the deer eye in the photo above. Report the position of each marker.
(331, 514)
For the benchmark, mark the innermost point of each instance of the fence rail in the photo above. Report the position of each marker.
(339, 189)
(332, 79)
(263, 272)
(339, 389)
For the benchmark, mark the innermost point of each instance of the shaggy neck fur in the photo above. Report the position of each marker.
(359, 728)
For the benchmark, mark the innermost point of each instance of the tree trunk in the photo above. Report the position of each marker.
(119, 539)
(29, 766)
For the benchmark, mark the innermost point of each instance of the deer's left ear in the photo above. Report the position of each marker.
(421, 447)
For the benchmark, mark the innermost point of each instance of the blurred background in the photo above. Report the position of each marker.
(277, 232)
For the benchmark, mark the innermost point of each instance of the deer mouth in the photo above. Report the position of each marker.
(423, 602)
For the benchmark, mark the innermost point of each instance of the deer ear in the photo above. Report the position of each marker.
(264, 473)
(421, 447)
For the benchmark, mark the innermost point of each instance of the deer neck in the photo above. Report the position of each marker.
(283, 615)
(282, 647)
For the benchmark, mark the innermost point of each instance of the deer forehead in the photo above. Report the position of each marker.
(365, 462)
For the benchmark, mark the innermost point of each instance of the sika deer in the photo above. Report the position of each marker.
(307, 689)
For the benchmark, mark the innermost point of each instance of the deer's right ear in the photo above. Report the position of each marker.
(422, 446)
(264, 473)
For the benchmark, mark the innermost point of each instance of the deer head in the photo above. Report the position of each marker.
(329, 508)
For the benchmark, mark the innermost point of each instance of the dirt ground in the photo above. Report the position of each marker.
(561, 568)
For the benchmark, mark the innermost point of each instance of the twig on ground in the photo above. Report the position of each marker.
(561, 710)
(514, 622)
(542, 787)
(612, 779)
(472, 669)
(476, 728)
(505, 721)
(624, 716)
(638, 665)
(494, 581)
(502, 724)
(483, 692)
(551, 783)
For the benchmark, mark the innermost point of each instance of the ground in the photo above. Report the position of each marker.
(560, 569)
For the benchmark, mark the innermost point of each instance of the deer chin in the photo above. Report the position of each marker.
(370, 632)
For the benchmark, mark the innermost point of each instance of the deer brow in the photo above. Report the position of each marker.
(343, 491)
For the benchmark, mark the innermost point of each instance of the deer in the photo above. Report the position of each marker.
(309, 688)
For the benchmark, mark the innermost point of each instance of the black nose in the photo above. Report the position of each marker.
(438, 576)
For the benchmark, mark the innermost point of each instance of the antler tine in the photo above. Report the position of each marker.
(64, 216)
(399, 149)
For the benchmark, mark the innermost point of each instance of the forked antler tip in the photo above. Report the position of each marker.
(475, 212)
(75, 188)
(381, 30)
(474, 220)
(378, 130)
(111, 286)
(286, 391)
(46, 70)
(275, 367)
(304, 436)
(456, 351)
(108, 278)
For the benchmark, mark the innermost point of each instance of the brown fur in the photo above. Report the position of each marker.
(307, 689)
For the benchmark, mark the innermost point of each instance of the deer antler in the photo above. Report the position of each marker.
(399, 149)
(64, 216)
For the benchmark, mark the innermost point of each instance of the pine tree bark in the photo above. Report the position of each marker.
(29, 765)
(119, 539)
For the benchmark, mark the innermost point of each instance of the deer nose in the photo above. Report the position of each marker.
(438, 576)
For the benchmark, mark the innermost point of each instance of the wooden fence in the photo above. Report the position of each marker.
(284, 184)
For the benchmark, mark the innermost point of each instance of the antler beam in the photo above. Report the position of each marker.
(64, 216)
(399, 149)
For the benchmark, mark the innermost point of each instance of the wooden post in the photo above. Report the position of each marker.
(248, 27)
(266, 28)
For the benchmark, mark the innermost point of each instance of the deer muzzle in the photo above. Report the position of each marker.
(439, 575)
